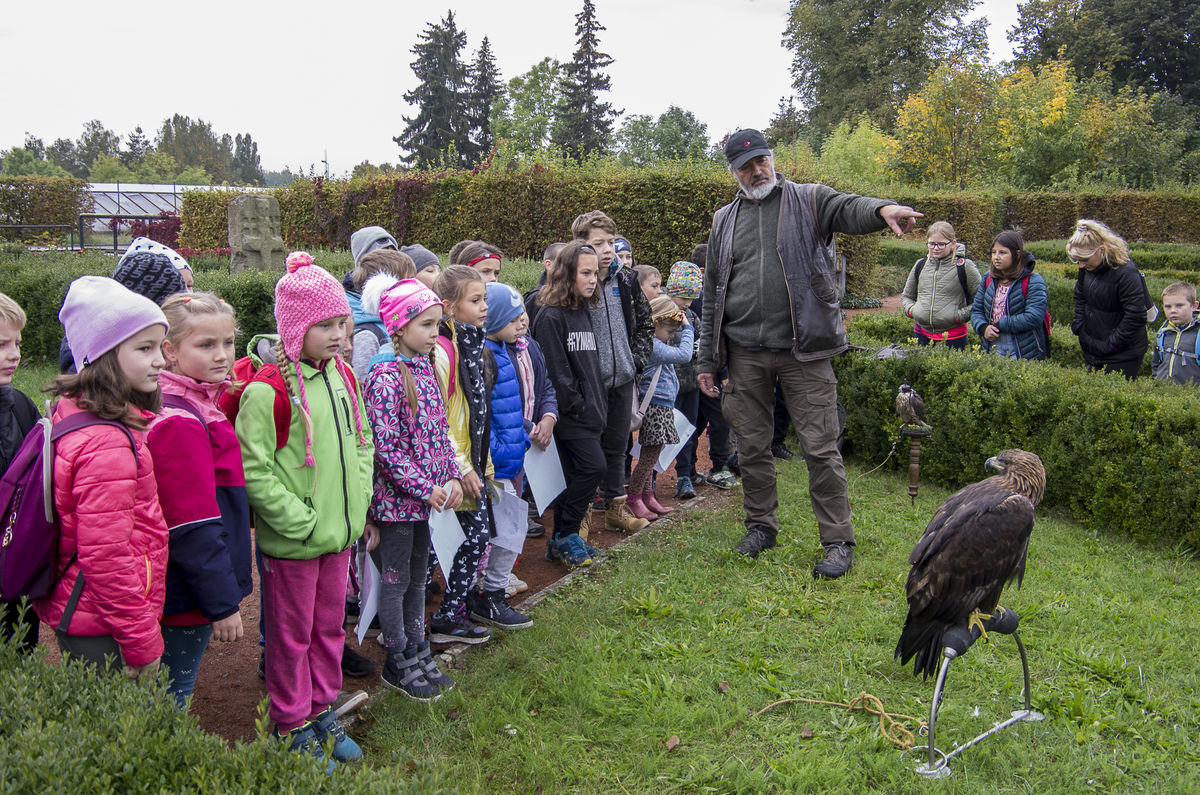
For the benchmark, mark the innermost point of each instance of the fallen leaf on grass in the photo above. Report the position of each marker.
(533, 713)
(723, 687)
(672, 743)
(453, 714)
(806, 732)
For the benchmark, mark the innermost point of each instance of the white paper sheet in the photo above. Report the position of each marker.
(667, 457)
(368, 593)
(512, 519)
(447, 536)
(544, 472)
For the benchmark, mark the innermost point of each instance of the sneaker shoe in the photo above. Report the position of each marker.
(619, 518)
(781, 452)
(402, 673)
(347, 702)
(837, 561)
(515, 585)
(535, 530)
(722, 479)
(573, 551)
(758, 538)
(354, 664)
(430, 668)
(303, 740)
(490, 608)
(684, 490)
(327, 728)
(457, 629)
(734, 465)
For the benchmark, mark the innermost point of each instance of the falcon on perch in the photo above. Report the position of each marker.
(909, 406)
(975, 543)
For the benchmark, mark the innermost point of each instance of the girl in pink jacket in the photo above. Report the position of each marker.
(113, 544)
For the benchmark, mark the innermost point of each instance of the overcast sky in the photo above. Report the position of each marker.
(312, 77)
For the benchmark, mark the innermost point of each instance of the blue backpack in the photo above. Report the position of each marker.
(29, 545)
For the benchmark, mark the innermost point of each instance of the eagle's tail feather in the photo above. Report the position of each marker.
(922, 640)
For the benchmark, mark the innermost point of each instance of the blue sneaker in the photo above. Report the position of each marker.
(573, 551)
(303, 740)
(327, 728)
(684, 490)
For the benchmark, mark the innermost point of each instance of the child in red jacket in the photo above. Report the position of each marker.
(201, 488)
(113, 543)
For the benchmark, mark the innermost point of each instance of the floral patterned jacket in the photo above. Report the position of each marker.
(412, 451)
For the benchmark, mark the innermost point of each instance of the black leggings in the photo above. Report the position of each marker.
(583, 467)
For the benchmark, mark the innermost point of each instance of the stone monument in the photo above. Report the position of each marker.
(255, 240)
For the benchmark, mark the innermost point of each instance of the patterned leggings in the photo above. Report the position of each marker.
(639, 482)
(461, 573)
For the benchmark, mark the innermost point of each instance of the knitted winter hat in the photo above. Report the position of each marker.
(662, 308)
(305, 296)
(684, 281)
(403, 301)
(369, 238)
(422, 257)
(621, 244)
(150, 274)
(100, 313)
(154, 247)
(504, 306)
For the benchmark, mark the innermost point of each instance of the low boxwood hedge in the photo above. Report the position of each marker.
(67, 728)
(1120, 455)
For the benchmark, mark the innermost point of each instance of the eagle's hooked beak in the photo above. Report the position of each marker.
(993, 464)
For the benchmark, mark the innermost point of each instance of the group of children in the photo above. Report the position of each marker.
(404, 389)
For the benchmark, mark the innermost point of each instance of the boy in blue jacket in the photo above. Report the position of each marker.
(518, 397)
(1177, 344)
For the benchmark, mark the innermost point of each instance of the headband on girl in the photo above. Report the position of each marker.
(480, 259)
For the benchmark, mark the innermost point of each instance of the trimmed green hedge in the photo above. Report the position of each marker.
(1157, 216)
(1122, 456)
(41, 200)
(664, 210)
(976, 217)
(1178, 257)
(66, 728)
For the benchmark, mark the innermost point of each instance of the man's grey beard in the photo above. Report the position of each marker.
(761, 191)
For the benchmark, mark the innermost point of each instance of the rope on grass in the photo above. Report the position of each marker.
(891, 453)
(890, 726)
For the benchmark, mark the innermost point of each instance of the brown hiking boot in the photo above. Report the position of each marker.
(618, 517)
(585, 524)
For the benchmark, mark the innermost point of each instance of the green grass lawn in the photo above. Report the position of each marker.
(675, 637)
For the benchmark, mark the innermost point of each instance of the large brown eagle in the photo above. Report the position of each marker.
(974, 544)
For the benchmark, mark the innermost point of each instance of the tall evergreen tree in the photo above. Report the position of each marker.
(485, 89)
(442, 99)
(137, 146)
(246, 166)
(194, 144)
(584, 122)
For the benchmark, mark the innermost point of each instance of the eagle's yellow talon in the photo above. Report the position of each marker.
(976, 620)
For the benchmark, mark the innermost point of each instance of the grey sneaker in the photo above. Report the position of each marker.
(722, 479)
(758, 538)
(838, 559)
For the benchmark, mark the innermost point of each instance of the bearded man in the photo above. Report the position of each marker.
(771, 312)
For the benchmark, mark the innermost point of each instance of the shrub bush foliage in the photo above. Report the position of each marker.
(68, 728)
(41, 200)
(1119, 455)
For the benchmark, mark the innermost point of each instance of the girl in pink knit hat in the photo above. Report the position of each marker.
(310, 499)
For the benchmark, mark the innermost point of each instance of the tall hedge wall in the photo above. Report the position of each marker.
(1122, 456)
(1158, 216)
(41, 200)
(664, 211)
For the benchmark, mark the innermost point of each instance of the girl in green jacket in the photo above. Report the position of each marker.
(310, 500)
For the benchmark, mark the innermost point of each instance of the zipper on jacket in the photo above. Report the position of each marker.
(342, 457)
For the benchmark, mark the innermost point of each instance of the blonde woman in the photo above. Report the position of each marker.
(941, 289)
(1110, 301)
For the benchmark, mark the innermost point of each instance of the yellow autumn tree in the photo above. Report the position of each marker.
(946, 131)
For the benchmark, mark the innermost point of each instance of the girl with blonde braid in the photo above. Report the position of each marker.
(310, 499)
